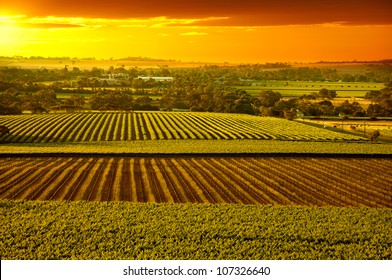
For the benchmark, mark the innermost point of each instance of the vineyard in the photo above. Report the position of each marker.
(118, 230)
(363, 182)
(91, 127)
(171, 185)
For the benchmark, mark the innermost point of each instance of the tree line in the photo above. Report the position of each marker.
(205, 99)
(209, 88)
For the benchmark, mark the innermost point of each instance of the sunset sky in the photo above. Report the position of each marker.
(246, 31)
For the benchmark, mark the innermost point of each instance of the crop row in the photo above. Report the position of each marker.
(277, 181)
(81, 127)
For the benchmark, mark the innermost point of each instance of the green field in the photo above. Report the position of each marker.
(298, 88)
(88, 230)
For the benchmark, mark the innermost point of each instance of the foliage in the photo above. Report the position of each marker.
(325, 93)
(6, 110)
(347, 108)
(4, 130)
(269, 98)
(111, 101)
(95, 231)
(202, 89)
(322, 93)
(374, 135)
(290, 114)
(382, 102)
(10, 103)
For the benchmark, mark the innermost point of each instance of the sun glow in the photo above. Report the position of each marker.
(191, 39)
(9, 30)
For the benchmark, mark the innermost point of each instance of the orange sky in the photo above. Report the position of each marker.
(199, 30)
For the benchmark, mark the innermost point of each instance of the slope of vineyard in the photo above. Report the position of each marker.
(362, 182)
(87, 230)
(90, 127)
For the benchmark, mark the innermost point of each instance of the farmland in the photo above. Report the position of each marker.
(252, 180)
(168, 185)
(121, 230)
(359, 125)
(210, 147)
(90, 127)
(298, 88)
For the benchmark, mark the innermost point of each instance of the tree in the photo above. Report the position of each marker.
(243, 106)
(327, 107)
(309, 108)
(4, 130)
(373, 95)
(268, 98)
(268, 112)
(348, 108)
(143, 103)
(283, 105)
(45, 98)
(374, 110)
(167, 101)
(374, 135)
(5, 110)
(290, 114)
(382, 102)
(77, 100)
(111, 101)
(325, 93)
(10, 103)
(138, 84)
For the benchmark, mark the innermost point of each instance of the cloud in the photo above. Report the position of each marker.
(193, 33)
(48, 25)
(23, 21)
(236, 13)
(68, 22)
(95, 23)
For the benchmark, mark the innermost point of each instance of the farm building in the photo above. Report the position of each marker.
(157, 79)
(300, 114)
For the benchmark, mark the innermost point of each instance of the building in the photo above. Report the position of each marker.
(157, 79)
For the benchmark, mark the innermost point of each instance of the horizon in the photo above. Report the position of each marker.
(217, 31)
(174, 60)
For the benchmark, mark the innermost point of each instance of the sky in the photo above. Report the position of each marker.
(246, 31)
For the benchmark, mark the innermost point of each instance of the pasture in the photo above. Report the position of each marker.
(361, 126)
(299, 88)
